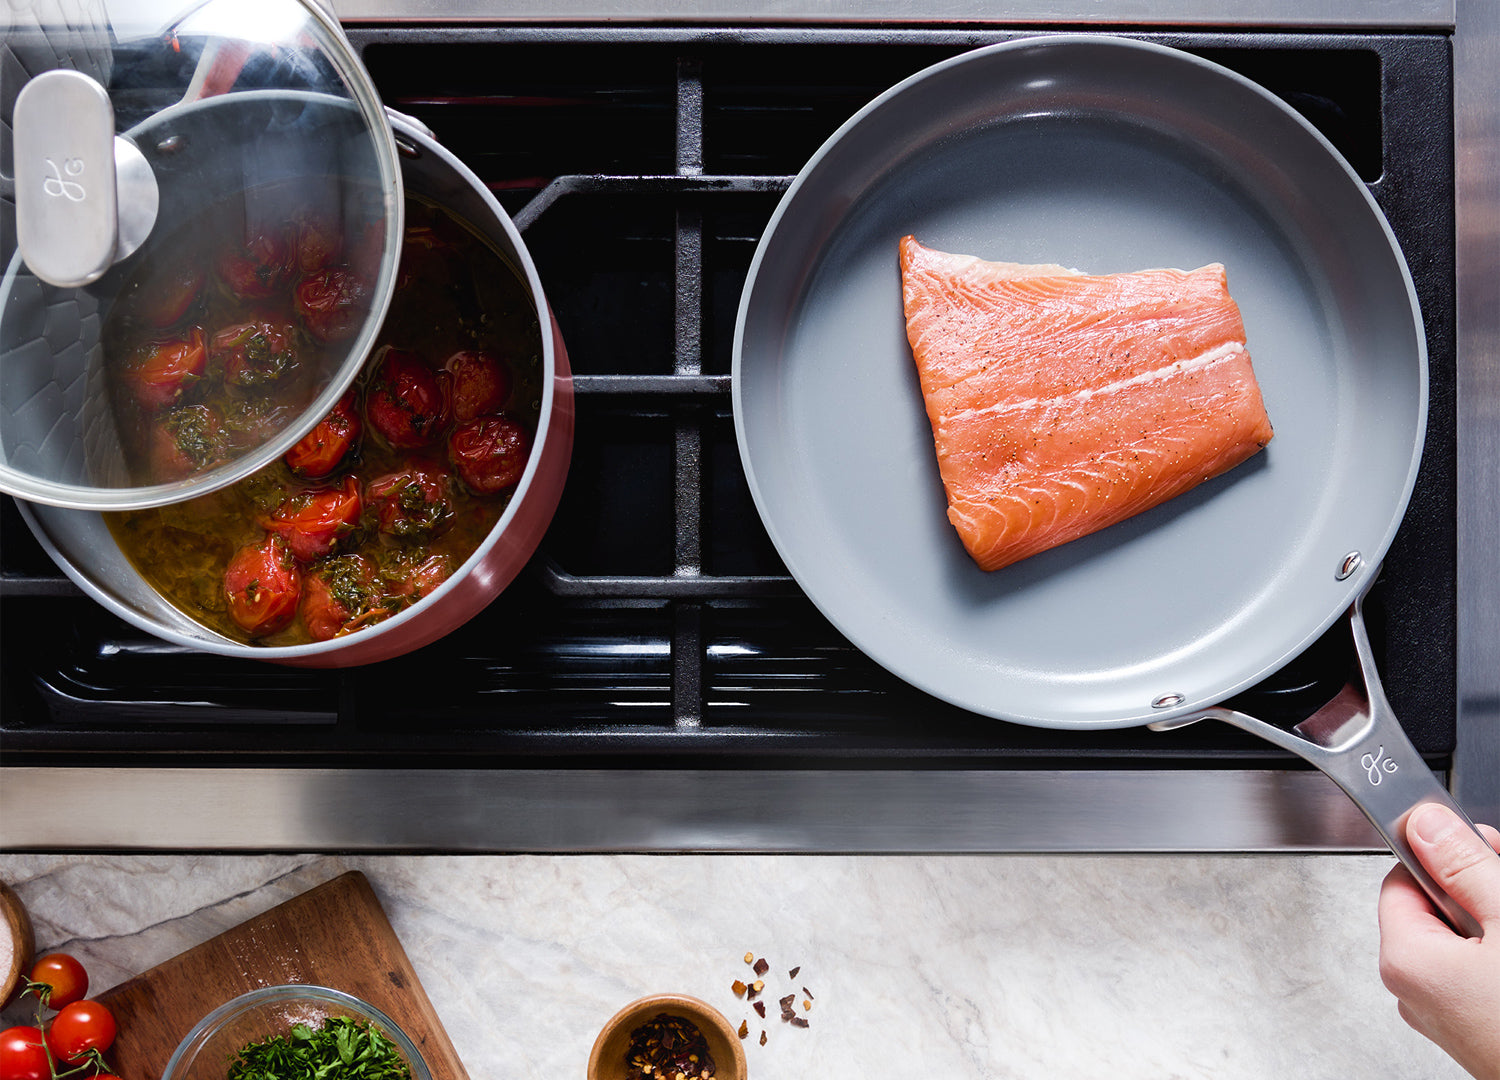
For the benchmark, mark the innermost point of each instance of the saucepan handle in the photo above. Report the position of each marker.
(1357, 740)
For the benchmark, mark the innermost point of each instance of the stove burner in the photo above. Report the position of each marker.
(657, 626)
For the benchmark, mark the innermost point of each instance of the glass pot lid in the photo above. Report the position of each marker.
(208, 213)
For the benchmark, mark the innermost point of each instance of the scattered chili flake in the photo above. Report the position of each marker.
(761, 967)
(744, 1028)
(668, 1046)
(738, 987)
(763, 1036)
(760, 1009)
(798, 1021)
(793, 973)
(806, 991)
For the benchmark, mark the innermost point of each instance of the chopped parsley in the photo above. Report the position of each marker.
(342, 1049)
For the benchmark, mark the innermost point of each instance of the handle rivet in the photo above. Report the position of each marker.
(1352, 562)
(1167, 701)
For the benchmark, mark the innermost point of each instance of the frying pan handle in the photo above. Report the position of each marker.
(1357, 740)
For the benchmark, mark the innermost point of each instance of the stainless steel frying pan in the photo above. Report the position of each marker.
(1108, 155)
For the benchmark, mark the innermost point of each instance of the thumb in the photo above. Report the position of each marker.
(1458, 859)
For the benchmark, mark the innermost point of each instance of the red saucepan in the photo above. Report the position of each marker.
(1107, 155)
(81, 543)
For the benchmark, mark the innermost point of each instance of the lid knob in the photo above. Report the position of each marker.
(67, 200)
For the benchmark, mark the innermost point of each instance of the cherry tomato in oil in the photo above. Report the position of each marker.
(426, 576)
(338, 595)
(406, 404)
(325, 446)
(159, 373)
(416, 501)
(187, 440)
(313, 522)
(254, 354)
(257, 270)
(80, 1027)
(64, 975)
(22, 1055)
(481, 383)
(489, 453)
(332, 303)
(263, 585)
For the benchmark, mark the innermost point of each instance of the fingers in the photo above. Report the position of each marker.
(1464, 866)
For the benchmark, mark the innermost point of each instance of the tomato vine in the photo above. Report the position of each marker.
(69, 1044)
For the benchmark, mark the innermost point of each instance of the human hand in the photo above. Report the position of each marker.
(1447, 987)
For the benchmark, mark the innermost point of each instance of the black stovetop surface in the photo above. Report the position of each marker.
(656, 624)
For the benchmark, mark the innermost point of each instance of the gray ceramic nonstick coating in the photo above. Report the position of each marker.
(1106, 155)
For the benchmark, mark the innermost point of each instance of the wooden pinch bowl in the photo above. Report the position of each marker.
(607, 1061)
(20, 944)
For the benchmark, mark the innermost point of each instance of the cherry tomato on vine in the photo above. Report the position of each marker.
(64, 975)
(80, 1027)
(22, 1056)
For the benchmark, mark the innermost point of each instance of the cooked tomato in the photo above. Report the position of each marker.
(319, 244)
(65, 979)
(481, 383)
(170, 294)
(253, 354)
(22, 1055)
(160, 372)
(258, 269)
(313, 522)
(262, 584)
(339, 595)
(406, 403)
(79, 1028)
(187, 440)
(332, 303)
(489, 453)
(416, 501)
(325, 446)
(425, 576)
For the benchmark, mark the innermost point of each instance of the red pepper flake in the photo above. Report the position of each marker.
(763, 1036)
(744, 1028)
(760, 1008)
(798, 1021)
(807, 992)
(761, 967)
(738, 987)
(668, 1046)
(793, 973)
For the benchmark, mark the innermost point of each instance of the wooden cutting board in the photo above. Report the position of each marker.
(334, 935)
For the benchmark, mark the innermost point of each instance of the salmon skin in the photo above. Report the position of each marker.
(1063, 402)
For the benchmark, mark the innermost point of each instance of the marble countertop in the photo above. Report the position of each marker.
(1048, 967)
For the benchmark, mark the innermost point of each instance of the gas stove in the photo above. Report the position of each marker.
(656, 680)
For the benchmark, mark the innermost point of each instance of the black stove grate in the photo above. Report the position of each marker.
(657, 624)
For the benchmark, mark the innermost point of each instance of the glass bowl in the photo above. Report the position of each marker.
(260, 1014)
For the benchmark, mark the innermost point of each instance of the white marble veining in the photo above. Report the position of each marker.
(1150, 967)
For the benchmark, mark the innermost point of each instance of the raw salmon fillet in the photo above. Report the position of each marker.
(1063, 402)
